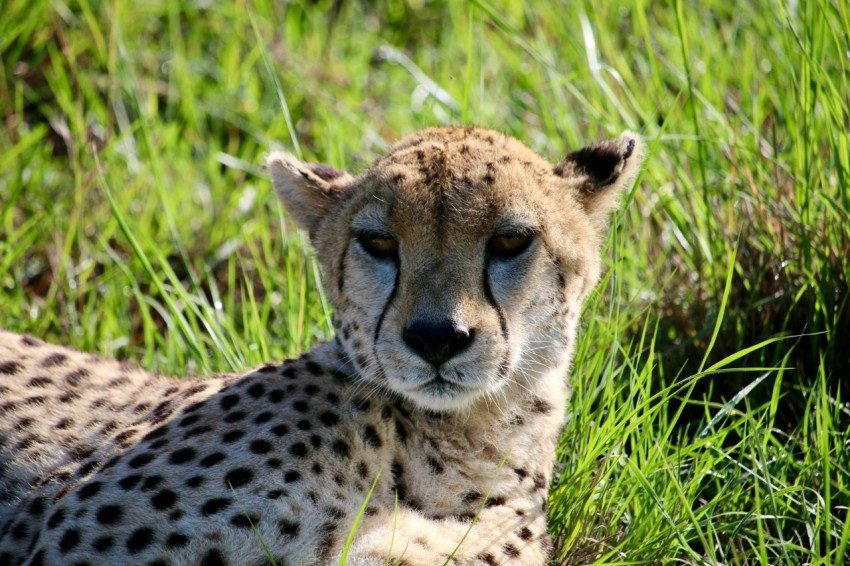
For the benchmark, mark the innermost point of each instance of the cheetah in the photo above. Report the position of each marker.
(457, 266)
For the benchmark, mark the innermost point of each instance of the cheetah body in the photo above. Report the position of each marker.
(458, 231)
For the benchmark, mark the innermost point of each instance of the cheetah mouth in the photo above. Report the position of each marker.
(439, 386)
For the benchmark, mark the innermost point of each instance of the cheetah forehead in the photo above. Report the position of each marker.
(468, 174)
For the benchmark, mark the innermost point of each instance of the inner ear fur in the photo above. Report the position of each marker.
(602, 171)
(306, 190)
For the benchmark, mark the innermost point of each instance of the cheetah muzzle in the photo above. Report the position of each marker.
(457, 265)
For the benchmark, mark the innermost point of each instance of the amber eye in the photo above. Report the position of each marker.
(379, 246)
(508, 246)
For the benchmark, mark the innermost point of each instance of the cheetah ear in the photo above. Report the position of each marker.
(306, 190)
(602, 171)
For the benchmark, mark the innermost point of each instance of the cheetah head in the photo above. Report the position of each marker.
(458, 262)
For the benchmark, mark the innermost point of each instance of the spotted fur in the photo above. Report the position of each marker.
(446, 384)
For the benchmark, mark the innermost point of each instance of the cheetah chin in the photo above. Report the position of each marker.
(457, 266)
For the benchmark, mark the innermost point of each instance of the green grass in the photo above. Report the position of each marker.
(710, 420)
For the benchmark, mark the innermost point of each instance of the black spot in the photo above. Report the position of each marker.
(213, 506)
(54, 360)
(112, 462)
(141, 460)
(495, 501)
(238, 477)
(232, 436)
(182, 456)
(275, 494)
(435, 466)
(139, 540)
(176, 540)
(521, 473)
(234, 417)
(20, 530)
(276, 395)
(263, 417)
(315, 441)
(102, 544)
(291, 476)
(314, 368)
(213, 558)
(340, 448)
(260, 446)
(195, 481)
(129, 482)
(397, 486)
(40, 381)
(510, 550)
(163, 500)
(303, 424)
(195, 406)
(10, 368)
(151, 483)
(87, 467)
(76, 377)
(541, 406)
(125, 435)
(212, 459)
(471, 496)
(188, 421)
(298, 449)
(362, 470)
(229, 401)
(329, 419)
(109, 514)
(525, 533)
(243, 521)
(539, 481)
(36, 507)
(274, 463)
(401, 432)
(267, 369)
(361, 405)
(257, 390)
(287, 528)
(311, 389)
(487, 559)
(280, 430)
(197, 431)
(371, 437)
(89, 490)
(301, 406)
(326, 539)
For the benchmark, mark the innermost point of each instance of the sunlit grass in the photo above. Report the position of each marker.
(709, 421)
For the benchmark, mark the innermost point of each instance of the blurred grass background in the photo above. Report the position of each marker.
(710, 420)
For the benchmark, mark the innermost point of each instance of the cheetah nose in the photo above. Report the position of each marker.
(437, 342)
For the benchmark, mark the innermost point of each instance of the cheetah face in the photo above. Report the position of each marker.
(457, 264)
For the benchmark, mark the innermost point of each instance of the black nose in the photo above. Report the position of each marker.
(437, 342)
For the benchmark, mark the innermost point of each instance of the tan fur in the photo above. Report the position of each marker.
(107, 464)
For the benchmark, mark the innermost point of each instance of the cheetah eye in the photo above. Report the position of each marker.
(509, 246)
(377, 245)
